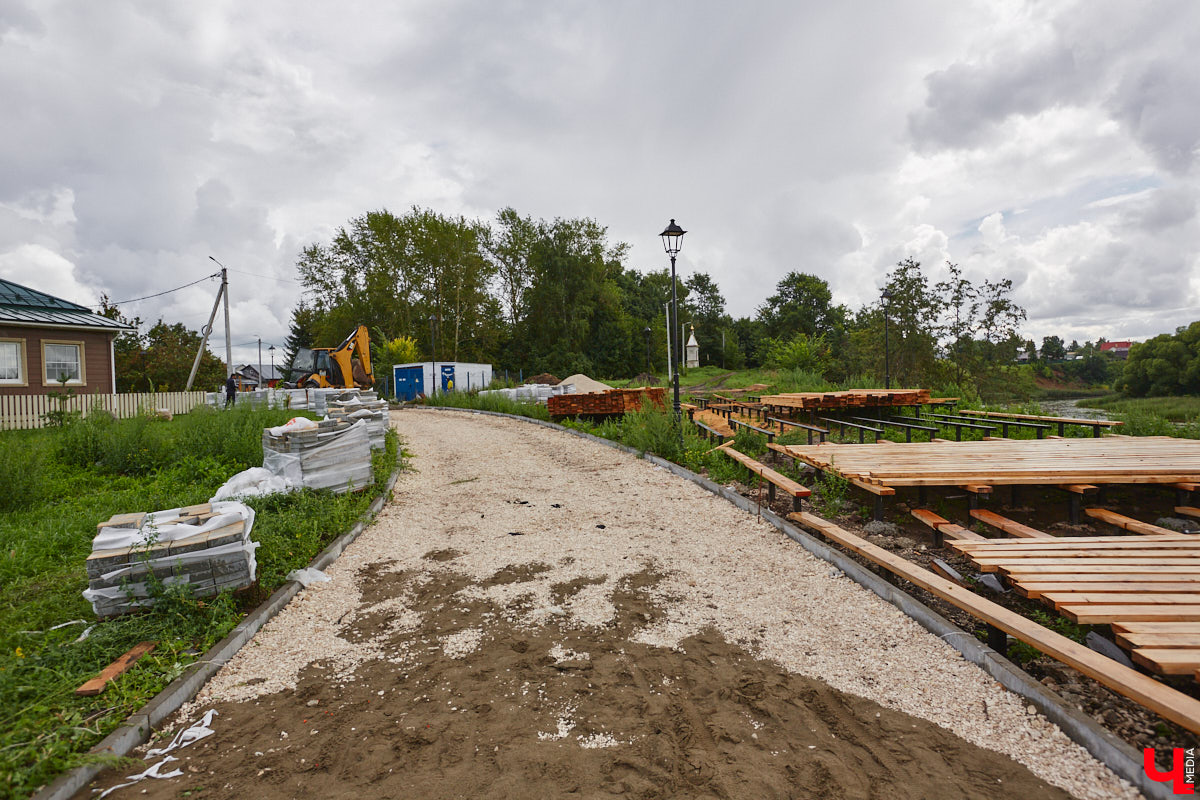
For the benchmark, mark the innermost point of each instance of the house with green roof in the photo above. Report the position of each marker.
(47, 342)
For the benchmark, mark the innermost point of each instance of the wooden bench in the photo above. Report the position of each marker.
(773, 478)
(1169, 703)
(1095, 424)
(822, 432)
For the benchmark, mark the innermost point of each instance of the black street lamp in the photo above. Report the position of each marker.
(887, 373)
(672, 240)
(432, 356)
(647, 334)
(271, 351)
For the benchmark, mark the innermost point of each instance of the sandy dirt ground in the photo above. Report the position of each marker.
(535, 615)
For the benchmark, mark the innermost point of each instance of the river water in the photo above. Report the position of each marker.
(1067, 408)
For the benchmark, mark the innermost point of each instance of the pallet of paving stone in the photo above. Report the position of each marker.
(207, 546)
(356, 404)
(336, 455)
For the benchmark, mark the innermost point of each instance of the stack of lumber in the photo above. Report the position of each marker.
(334, 455)
(715, 421)
(856, 398)
(206, 546)
(364, 404)
(1146, 587)
(1143, 459)
(611, 401)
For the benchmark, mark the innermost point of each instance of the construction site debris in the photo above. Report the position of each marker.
(336, 455)
(114, 670)
(205, 546)
(545, 378)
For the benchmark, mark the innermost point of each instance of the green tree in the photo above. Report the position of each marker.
(508, 245)
(1053, 348)
(300, 336)
(706, 305)
(573, 319)
(801, 304)
(1168, 364)
(914, 311)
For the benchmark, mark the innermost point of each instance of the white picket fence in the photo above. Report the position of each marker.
(20, 411)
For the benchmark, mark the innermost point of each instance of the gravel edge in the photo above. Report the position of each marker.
(1105, 746)
(137, 728)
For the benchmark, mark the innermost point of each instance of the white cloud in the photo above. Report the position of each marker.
(1051, 143)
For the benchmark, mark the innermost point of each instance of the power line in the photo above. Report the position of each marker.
(168, 291)
(258, 275)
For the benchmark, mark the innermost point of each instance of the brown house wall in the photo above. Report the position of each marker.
(97, 359)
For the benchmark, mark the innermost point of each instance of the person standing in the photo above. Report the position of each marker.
(230, 391)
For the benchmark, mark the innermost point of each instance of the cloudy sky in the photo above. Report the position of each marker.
(1053, 143)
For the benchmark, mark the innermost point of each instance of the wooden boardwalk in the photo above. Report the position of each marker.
(1109, 460)
(1146, 587)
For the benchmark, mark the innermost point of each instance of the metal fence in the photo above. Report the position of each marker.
(21, 411)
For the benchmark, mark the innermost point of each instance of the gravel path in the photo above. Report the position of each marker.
(525, 532)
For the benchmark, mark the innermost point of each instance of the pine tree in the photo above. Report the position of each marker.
(300, 336)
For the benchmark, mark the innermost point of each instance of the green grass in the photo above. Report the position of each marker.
(70, 479)
(488, 402)
(1173, 409)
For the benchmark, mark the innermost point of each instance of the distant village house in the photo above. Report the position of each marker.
(48, 344)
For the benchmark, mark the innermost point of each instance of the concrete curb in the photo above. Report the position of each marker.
(138, 726)
(1105, 746)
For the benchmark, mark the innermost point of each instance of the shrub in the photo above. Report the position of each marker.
(22, 471)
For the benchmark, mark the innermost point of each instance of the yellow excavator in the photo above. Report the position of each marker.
(343, 367)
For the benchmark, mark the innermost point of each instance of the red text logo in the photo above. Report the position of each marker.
(1183, 769)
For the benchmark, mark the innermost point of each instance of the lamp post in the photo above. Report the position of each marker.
(647, 334)
(672, 238)
(271, 351)
(887, 369)
(432, 357)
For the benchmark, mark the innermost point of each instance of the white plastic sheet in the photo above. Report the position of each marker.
(260, 481)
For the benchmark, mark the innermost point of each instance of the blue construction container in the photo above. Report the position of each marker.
(431, 377)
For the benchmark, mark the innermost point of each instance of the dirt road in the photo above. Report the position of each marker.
(535, 615)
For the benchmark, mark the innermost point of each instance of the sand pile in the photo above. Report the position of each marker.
(585, 385)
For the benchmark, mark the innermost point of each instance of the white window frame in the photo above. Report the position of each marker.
(22, 378)
(81, 380)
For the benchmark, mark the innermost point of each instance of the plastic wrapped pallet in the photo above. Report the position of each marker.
(206, 546)
(334, 455)
(354, 405)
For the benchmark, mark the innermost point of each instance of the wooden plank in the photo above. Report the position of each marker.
(944, 526)
(119, 667)
(1122, 521)
(1120, 583)
(1081, 570)
(1156, 627)
(1101, 598)
(1011, 527)
(1188, 511)
(1085, 614)
(1169, 660)
(1004, 565)
(1169, 703)
(1177, 540)
(1058, 548)
(785, 483)
(1132, 640)
(1079, 488)
(1036, 589)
